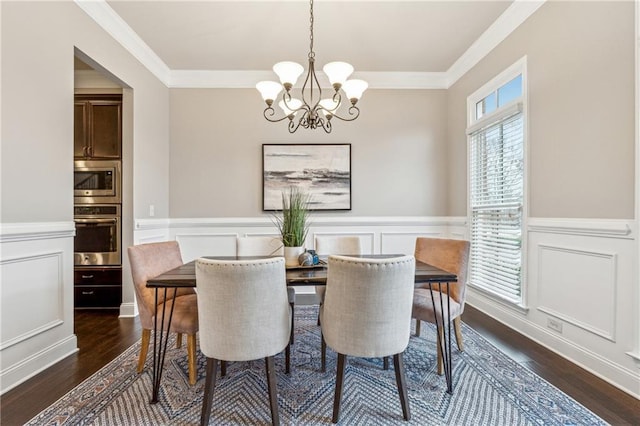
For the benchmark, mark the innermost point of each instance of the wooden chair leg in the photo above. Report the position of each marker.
(339, 382)
(398, 365)
(418, 322)
(209, 385)
(223, 368)
(292, 325)
(323, 354)
(458, 330)
(144, 349)
(385, 362)
(178, 340)
(273, 393)
(439, 351)
(191, 357)
(287, 359)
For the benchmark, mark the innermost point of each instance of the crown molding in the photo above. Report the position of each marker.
(404, 80)
(511, 18)
(117, 28)
(222, 79)
(112, 23)
(248, 79)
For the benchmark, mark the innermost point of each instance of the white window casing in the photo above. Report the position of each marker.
(497, 192)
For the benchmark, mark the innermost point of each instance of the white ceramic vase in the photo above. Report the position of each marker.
(291, 255)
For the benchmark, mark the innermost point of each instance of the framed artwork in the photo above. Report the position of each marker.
(322, 170)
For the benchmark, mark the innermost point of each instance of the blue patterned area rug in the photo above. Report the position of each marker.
(489, 389)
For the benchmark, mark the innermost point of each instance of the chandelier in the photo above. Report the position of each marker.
(312, 111)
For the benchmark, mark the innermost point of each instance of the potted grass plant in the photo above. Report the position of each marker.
(293, 223)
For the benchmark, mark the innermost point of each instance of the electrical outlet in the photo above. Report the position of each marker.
(554, 324)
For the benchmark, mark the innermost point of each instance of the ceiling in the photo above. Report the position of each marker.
(406, 36)
(181, 39)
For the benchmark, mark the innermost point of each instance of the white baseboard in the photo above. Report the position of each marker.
(36, 363)
(128, 310)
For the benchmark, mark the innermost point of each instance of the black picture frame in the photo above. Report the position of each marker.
(322, 170)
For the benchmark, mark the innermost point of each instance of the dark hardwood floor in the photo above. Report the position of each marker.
(102, 336)
(610, 403)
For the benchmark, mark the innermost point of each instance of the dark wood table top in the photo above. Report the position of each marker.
(185, 275)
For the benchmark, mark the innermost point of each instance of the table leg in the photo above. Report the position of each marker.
(160, 343)
(444, 325)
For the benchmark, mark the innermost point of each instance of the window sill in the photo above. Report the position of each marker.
(518, 307)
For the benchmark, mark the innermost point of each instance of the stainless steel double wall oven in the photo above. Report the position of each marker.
(98, 239)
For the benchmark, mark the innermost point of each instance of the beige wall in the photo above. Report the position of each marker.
(398, 152)
(581, 109)
(38, 40)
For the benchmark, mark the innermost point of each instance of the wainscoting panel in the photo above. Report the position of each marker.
(36, 304)
(150, 231)
(36, 280)
(580, 295)
(367, 239)
(578, 287)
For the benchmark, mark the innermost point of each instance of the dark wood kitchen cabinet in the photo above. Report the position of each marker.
(97, 127)
(97, 288)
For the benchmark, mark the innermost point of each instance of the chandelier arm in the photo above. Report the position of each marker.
(337, 98)
(311, 80)
(353, 110)
(293, 126)
(271, 112)
(304, 85)
(286, 98)
(326, 125)
(315, 79)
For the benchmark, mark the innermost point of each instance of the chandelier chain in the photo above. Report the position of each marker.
(311, 52)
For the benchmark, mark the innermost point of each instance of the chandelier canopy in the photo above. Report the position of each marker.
(312, 111)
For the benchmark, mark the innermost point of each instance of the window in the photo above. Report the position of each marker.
(496, 185)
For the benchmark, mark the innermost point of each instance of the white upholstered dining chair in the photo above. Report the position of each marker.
(345, 245)
(231, 294)
(259, 246)
(268, 247)
(381, 292)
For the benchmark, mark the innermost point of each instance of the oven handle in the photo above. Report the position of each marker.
(114, 220)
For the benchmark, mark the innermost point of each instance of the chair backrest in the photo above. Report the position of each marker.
(449, 255)
(148, 261)
(367, 307)
(342, 245)
(259, 246)
(243, 310)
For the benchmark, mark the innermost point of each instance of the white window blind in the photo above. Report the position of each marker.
(496, 201)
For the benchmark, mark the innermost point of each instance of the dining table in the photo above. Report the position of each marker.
(313, 275)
